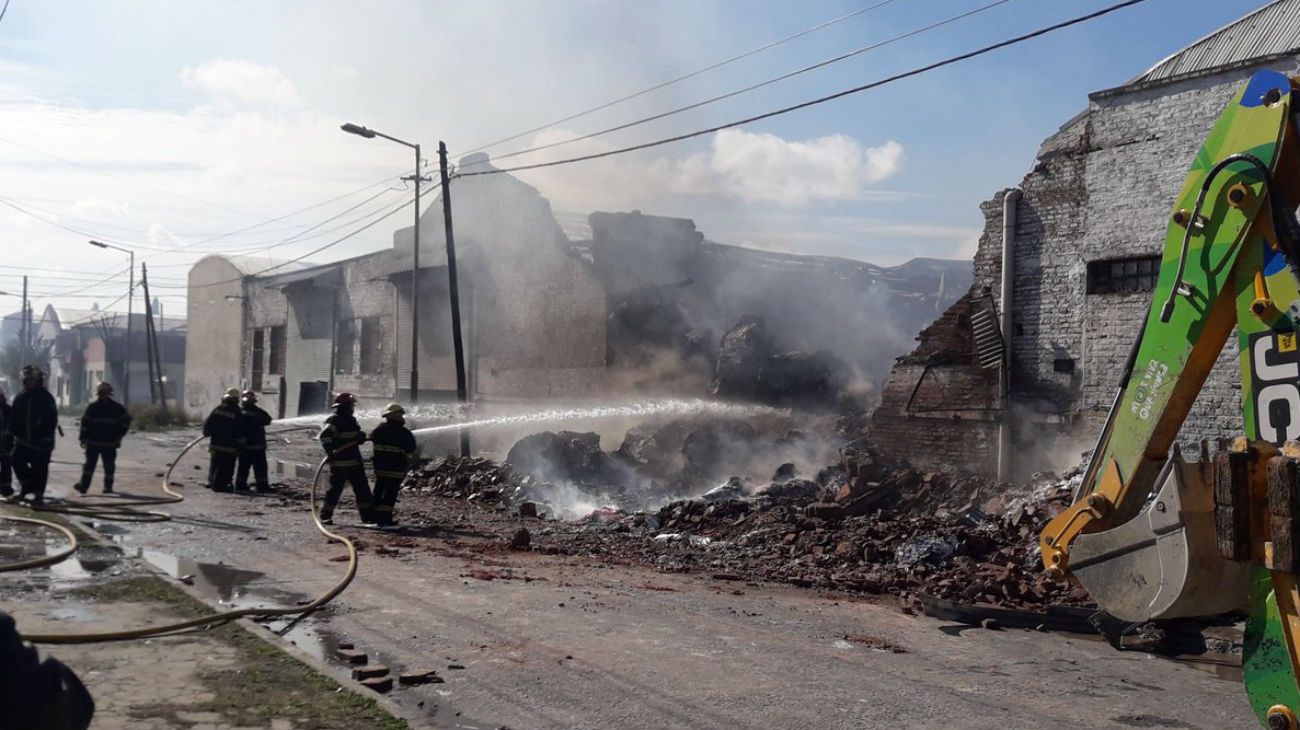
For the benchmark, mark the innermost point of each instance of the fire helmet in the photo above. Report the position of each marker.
(32, 373)
(393, 409)
(344, 399)
(231, 395)
(249, 397)
(104, 388)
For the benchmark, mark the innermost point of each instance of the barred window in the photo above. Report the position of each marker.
(344, 342)
(372, 351)
(276, 356)
(1129, 275)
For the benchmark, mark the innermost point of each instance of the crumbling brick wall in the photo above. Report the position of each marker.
(1101, 188)
(938, 409)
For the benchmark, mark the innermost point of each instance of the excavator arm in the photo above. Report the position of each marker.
(1150, 535)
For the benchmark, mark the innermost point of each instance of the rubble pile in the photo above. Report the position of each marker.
(795, 531)
(751, 367)
(466, 478)
(865, 525)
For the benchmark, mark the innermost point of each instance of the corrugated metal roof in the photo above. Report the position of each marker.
(1271, 30)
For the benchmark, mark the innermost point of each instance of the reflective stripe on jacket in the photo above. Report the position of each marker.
(394, 445)
(342, 438)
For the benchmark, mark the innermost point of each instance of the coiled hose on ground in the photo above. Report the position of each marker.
(128, 513)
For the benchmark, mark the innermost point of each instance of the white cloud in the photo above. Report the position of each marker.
(764, 168)
(158, 235)
(238, 80)
(739, 166)
(100, 208)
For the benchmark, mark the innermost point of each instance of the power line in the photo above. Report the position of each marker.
(349, 194)
(79, 289)
(683, 77)
(301, 235)
(759, 85)
(4, 10)
(77, 231)
(327, 246)
(820, 100)
(201, 201)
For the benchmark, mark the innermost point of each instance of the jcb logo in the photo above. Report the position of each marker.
(1276, 385)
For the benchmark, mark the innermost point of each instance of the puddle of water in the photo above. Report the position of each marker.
(222, 583)
(309, 636)
(75, 614)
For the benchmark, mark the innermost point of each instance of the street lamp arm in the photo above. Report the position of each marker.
(369, 133)
(101, 244)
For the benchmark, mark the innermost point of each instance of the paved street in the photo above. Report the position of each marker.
(571, 642)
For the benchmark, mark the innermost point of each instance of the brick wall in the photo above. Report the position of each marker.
(1100, 188)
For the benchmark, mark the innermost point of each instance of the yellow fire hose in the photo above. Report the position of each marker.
(204, 621)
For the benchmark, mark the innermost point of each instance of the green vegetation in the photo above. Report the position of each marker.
(268, 683)
(157, 418)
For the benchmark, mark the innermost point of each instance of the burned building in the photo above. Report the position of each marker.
(673, 291)
(637, 303)
(533, 314)
(1083, 238)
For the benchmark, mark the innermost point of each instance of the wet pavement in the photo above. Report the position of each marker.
(581, 643)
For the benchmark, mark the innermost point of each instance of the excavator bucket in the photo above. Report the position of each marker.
(1165, 562)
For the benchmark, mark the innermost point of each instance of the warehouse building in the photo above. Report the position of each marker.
(1084, 246)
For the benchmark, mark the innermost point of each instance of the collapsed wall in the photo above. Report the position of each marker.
(1089, 233)
(674, 295)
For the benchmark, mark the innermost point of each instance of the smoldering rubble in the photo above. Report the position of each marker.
(860, 523)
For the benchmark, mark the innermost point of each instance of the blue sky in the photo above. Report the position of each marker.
(180, 120)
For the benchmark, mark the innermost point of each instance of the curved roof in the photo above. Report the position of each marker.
(1272, 30)
(255, 265)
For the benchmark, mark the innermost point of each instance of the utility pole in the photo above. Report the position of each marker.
(130, 299)
(126, 352)
(148, 332)
(368, 133)
(417, 178)
(24, 330)
(462, 392)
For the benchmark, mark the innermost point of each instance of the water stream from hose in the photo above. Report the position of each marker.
(677, 408)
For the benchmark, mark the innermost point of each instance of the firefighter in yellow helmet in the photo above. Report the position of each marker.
(103, 425)
(394, 445)
(225, 436)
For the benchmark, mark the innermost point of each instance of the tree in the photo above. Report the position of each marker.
(13, 359)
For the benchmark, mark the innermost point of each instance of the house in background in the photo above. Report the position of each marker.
(89, 346)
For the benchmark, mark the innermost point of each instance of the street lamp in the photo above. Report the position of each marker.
(130, 291)
(415, 259)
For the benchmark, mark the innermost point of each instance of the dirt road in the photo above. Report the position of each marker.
(529, 640)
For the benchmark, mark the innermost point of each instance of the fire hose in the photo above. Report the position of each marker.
(116, 513)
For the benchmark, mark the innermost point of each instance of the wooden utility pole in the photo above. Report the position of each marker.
(458, 347)
(23, 327)
(148, 333)
(151, 336)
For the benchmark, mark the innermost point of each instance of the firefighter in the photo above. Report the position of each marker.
(394, 446)
(103, 425)
(222, 428)
(35, 419)
(252, 454)
(342, 438)
(6, 448)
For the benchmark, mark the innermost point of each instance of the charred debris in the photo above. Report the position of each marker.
(860, 523)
